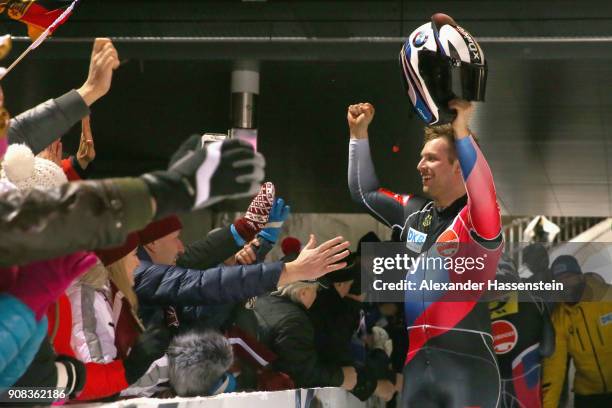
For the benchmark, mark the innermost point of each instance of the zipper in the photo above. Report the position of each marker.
(603, 380)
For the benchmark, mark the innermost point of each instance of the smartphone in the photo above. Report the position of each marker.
(208, 138)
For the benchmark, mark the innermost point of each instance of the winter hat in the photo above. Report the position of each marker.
(26, 171)
(565, 264)
(291, 247)
(349, 272)
(367, 238)
(111, 255)
(159, 229)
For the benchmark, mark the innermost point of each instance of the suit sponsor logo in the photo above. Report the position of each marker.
(447, 243)
(605, 319)
(505, 336)
(415, 240)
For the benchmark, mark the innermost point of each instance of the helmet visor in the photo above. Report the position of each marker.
(473, 81)
(445, 81)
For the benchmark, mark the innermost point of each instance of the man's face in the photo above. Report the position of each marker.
(166, 249)
(573, 286)
(437, 172)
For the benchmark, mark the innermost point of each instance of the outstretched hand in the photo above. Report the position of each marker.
(316, 261)
(104, 60)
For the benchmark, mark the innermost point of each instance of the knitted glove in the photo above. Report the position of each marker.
(278, 215)
(245, 228)
(228, 169)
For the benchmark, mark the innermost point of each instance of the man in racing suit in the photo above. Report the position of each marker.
(450, 360)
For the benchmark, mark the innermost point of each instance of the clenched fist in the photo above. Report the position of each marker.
(359, 117)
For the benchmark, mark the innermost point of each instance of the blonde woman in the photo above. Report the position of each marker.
(106, 331)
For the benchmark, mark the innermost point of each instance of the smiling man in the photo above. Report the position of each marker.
(450, 360)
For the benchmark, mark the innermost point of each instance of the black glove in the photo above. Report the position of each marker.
(151, 345)
(366, 385)
(228, 169)
(76, 374)
(192, 143)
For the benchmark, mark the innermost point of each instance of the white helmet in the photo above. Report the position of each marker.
(439, 62)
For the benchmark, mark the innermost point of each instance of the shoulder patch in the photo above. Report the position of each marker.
(397, 197)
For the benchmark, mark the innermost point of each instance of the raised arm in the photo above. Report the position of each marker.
(41, 125)
(482, 198)
(385, 206)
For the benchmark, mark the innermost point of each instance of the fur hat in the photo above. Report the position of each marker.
(26, 171)
(198, 360)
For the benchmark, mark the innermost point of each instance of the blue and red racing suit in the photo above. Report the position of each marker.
(449, 339)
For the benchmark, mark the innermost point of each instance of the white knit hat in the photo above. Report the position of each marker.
(25, 171)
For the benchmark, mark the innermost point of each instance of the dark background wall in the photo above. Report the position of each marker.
(545, 126)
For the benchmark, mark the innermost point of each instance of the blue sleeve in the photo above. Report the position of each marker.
(172, 285)
(20, 338)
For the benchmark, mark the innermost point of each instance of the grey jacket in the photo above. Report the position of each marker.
(40, 126)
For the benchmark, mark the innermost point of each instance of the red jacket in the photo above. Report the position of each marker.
(103, 380)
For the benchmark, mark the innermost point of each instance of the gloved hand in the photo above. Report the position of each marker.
(73, 372)
(245, 228)
(20, 338)
(278, 215)
(192, 143)
(228, 169)
(151, 345)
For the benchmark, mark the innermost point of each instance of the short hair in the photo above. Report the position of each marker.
(292, 290)
(445, 132)
(197, 360)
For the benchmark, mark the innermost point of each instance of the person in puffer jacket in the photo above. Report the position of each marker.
(105, 331)
(20, 338)
(39, 284)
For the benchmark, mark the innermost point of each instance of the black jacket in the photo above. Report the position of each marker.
(284, 327)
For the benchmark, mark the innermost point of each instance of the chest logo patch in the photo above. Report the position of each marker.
(415, 240)
(447, 243)
(505, 336)
(605, 319)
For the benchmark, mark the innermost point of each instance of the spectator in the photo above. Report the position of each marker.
(583, 333)
(283, 326)
(336, 319)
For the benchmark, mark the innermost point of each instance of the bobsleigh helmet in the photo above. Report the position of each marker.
(441, 61)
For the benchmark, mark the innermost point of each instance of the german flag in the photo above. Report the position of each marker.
(36, 14)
